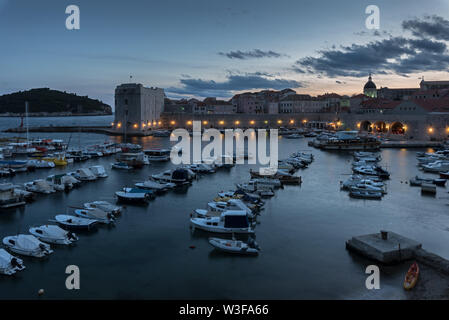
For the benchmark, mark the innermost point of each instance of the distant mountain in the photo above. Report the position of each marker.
(44, 101)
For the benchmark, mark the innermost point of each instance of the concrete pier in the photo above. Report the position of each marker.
(395, 248)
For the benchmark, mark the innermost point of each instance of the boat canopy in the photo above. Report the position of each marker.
(235, 219)
(26, 241)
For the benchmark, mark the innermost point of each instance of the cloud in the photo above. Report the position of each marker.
(205, 88)
(434, 26)
(252, 54)
(374, 33)
(393, 55)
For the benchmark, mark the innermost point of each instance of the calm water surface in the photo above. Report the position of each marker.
(302, 232)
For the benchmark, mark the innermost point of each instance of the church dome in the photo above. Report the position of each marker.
(370, 84)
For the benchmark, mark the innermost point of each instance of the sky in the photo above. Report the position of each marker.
(201, 48)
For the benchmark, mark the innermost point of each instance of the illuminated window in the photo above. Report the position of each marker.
(189, 122)
(172, 122)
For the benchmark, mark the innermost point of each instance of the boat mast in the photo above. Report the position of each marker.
(26, 119)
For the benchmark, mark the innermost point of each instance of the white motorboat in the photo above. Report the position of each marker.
(158, 154)
(40, 186)
(9, 264)
(84, 174)
(96, 214)
(232, 221)
(105, 206)
(121, 166)
(353, 181)
(231, 204)
(53, 234)
(366, 187)
(163, 176)
(156, 186)
(362, 154)
(75, 223)
(99, 171)
(294, 136)
(200, 168)
(9, 197)
(41, 164)
(436, 166)
(235, 246)
(27, 245)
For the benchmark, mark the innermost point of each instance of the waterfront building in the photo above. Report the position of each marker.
(428, 85)
(137, 108)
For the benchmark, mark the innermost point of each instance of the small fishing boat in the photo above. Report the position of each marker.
(235, 246)
(105, 206)
(121, 166)
(40, 186)
(444, 175)
(232, 221)
(365, 194)
(27, 245)
(9, 197)
(53, 234)
(99, 171)
(96, 214)
(293, 136)
(158, 154)
(411, 277)
(428, 188)
(9, 264)
(84, 174)
(134, 195)
(41, 164)
(75, 223)
(156, 186)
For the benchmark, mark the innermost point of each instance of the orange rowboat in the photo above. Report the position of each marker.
(411, 277)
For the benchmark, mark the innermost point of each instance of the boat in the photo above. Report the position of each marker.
(235, 246)
(161, 133)
(349, 141)
(135, 160)
(156, 186)
(163, 177)
(16, 165)
(84, 174)
(27, 245)
(411, 277)
(372, 170)
(417, 181)
(200, 167)
(96, 214)
(9, 198)
(181, 176)
(53, 234)
(99, 171)
(444, 175)
(27, 196)
(428, 188)
(75, 223)
(276, 183)
(158, 154)
(231, 221)
(6, 172)
(366, 187)
(365, 194)
(293, 136)
(130, 147)
(436, 166)
(41, 164)
(134, 195)
(40, 186)
(105, 206)
(63, 181)
(57, 159)
(9, 264)
(121, 166)
(355, 180)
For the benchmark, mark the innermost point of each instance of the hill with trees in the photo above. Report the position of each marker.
(45, 101)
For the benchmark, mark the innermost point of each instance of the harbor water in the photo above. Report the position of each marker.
(302, 231)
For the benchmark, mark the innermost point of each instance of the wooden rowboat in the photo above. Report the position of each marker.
(411, 277)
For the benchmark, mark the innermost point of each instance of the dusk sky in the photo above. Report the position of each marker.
(206, 48)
